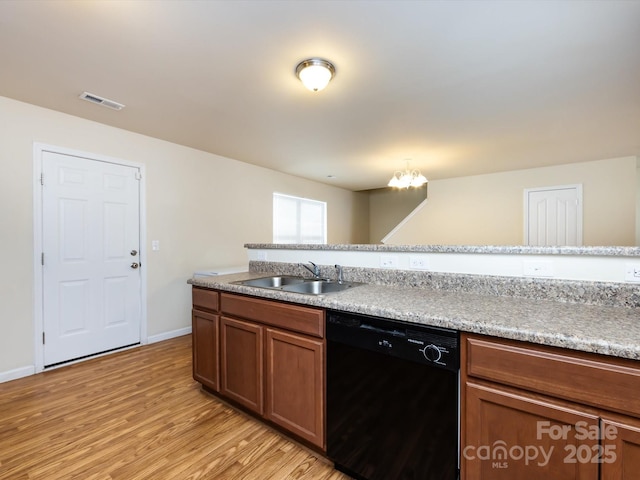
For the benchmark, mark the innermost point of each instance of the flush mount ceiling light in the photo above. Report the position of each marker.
(408, 178)
(315, 73)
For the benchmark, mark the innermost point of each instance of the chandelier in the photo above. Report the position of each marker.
(407, 178)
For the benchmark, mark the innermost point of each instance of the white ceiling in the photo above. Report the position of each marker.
(459, 87)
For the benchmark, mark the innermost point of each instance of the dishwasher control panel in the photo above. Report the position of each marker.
(428, 345)
(436, 347)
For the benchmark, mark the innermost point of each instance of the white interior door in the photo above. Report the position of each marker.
(553, 216)
(91, 244)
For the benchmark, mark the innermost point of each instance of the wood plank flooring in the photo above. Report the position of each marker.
(134, 415)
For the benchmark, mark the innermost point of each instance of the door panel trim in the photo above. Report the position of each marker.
(38, 314)
(577, 187)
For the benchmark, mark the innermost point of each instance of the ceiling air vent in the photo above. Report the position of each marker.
(105, 102)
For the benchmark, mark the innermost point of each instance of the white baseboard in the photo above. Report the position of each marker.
(31, 370)
(17, 373)
(167, 335)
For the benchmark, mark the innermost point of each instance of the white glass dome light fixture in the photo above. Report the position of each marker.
(407, 178)
(315, 73)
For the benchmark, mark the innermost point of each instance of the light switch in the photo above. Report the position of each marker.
(155, 245)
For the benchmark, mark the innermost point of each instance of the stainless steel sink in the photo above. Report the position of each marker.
(271, 282)
(319, 287)
(294, 284)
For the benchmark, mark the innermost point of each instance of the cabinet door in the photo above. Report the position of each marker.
(511, 435)
(621, 442)
(295, 384)
(241, 363)
(205, 348)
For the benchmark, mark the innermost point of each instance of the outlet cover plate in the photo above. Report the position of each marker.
(632, 272)
(419, 262)
(389, 261)
(538, 268)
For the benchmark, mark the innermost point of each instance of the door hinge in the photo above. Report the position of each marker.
(42, 179)
(138, 175)
(43, 338)
(42, 258)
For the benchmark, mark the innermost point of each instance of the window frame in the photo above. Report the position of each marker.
(300, 237)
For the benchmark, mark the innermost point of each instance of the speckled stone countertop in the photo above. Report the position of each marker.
(603, 329)
(494, 249)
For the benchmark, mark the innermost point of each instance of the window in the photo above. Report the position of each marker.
(298, 220)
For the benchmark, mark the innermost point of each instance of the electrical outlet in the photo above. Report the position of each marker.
(389, 261)
(419, 262)
(538, 268)
(632, 272)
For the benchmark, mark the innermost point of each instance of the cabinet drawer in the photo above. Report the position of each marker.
(590, 379)
(290, 317)
(205, 299)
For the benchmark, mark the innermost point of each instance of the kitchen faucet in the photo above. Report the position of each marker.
(340, 277)
(315, 271)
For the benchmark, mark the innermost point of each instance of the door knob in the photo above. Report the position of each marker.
(135, 265)
(134, 253)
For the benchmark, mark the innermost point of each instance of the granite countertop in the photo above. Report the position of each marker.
(602, 251)
(608, 330)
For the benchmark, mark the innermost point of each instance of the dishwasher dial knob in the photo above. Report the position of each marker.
(431, 353)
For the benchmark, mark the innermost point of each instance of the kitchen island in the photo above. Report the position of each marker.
(537, 356)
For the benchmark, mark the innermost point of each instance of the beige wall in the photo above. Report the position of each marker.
(488, 209)
(638, 203)
(196, 207)
(388, 207)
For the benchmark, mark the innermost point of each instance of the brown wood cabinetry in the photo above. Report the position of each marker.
(626, 446)
(532, 412)
(271, 360)
(509, 436)
(241, 361)
(205, 332)
(295, 384)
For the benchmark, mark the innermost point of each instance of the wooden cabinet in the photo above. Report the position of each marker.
(512, 435)
(295, 384)
(271, 359)
(531, 412)
(205, 332)
(241, 358)
(624, 438)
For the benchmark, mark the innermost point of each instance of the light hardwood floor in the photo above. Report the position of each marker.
(136, 415)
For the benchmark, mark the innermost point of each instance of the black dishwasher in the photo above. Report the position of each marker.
(392, 398)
